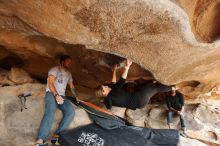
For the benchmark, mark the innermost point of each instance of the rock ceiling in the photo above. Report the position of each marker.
(175, 40)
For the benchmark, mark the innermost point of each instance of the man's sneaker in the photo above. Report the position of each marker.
(169, 126)
(55, 140)
(183, 132)
(40, 142)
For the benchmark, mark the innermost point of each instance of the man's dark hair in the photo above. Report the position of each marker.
(64, 58)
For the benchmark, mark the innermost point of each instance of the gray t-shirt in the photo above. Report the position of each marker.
(62, 78)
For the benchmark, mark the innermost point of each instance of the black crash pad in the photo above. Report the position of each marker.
(94, 135)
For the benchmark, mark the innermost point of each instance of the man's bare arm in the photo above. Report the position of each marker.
(51, 79)
(181, 111)
(172, 109)
(114, 76)
(125, 73)
(73, 90)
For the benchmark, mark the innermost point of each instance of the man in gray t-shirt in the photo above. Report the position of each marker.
(58, 78)
(62, 79)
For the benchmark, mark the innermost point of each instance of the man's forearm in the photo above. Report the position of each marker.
(114, 78)
(172, 109)
(53, 89)
(73, 91)
(182, 109)
(125, 73)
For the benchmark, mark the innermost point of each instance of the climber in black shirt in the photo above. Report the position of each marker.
(175, 104)
(114, 96)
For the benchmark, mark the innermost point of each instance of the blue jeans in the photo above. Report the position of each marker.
(170, 116)
(50, 108)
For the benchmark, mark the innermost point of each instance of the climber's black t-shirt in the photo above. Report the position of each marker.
(117, 96)
(137, 99)
(176, 101)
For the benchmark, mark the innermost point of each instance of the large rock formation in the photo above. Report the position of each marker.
(202, 119)
(155, 34)
(204, 18)
(173, 41)
(20, 128)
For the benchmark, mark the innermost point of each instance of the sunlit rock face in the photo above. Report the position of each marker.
(168, 38)
(204, 18)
